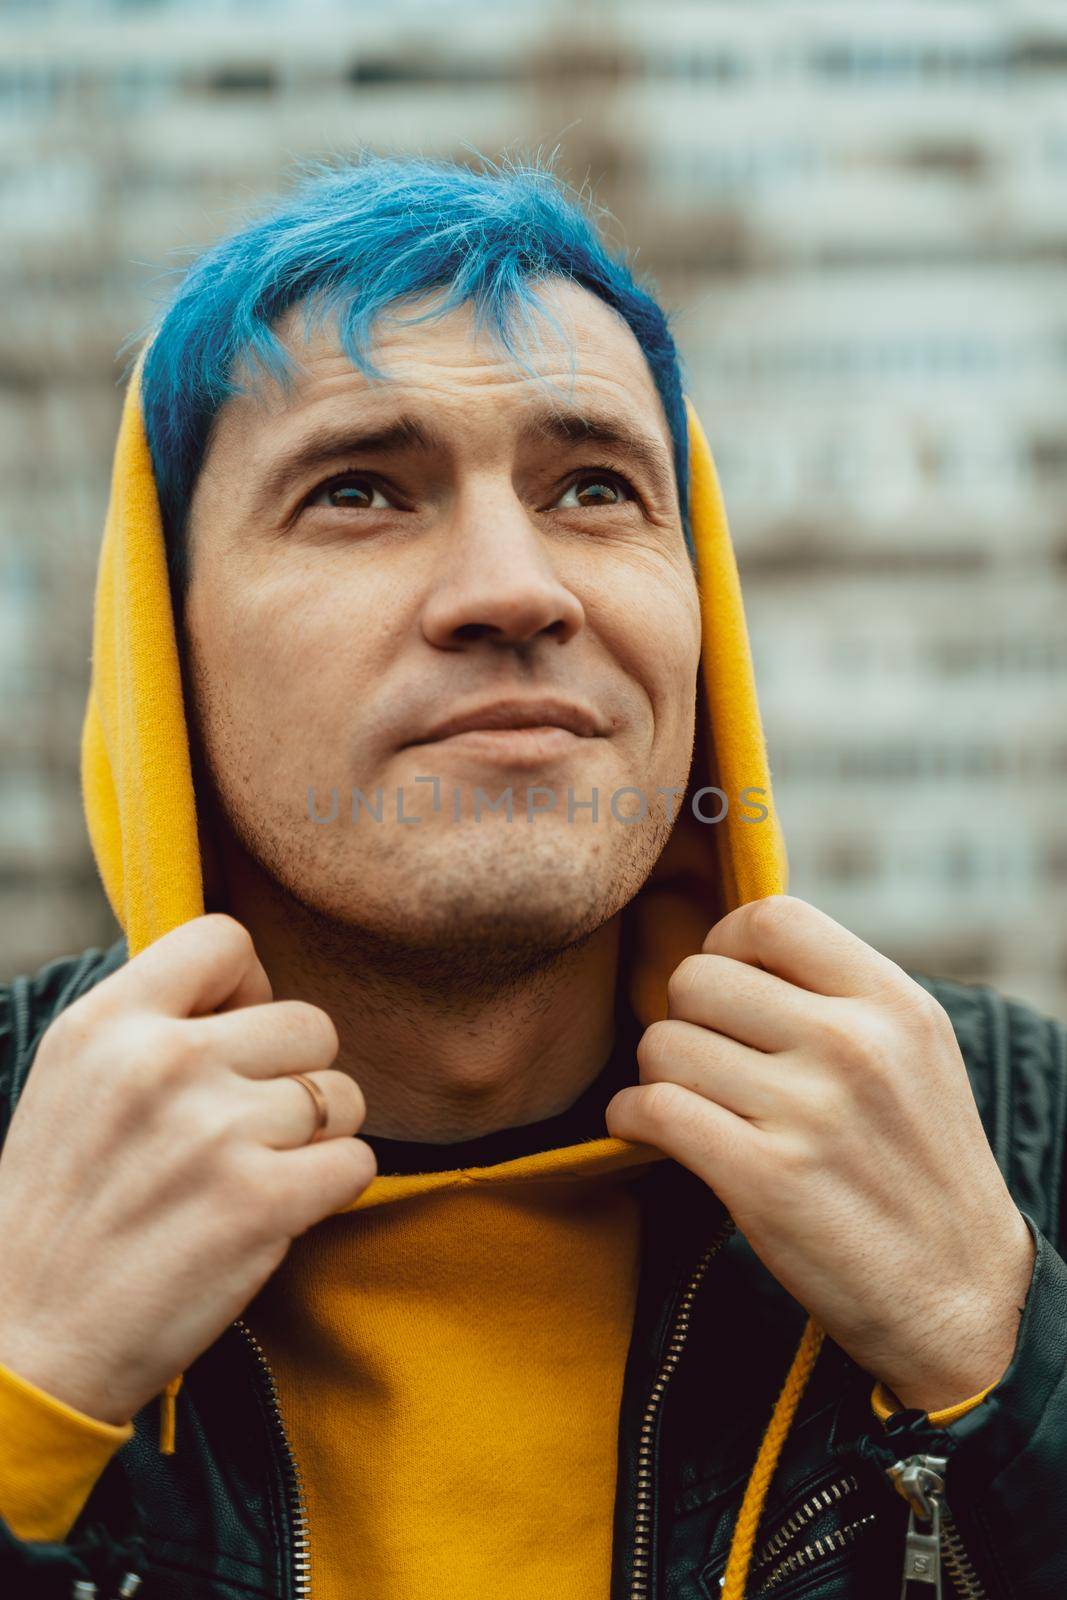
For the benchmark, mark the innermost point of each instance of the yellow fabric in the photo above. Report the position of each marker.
(137, 783)
(884, 1403)
(449, 1357)
(50, 1456)
(469, 1330)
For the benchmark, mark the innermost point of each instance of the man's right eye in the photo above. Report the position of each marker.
(352, 492)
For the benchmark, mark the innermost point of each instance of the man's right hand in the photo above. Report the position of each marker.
(157, 1167)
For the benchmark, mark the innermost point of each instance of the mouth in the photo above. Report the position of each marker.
(525, 723)
(533, 746)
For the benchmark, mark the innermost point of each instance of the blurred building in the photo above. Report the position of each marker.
(860, 214)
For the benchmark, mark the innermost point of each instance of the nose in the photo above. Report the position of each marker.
(497, 581)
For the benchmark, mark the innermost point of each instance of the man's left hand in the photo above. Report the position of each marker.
(822, 1094)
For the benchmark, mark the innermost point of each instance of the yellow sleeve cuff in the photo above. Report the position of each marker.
(51, 1455)
(884, 1403)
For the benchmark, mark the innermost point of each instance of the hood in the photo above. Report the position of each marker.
(137, 776)
(140, 805)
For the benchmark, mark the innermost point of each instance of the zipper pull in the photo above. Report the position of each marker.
(920, 1480)
(922, 1555)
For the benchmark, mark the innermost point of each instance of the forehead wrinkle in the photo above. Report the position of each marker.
(596, 335)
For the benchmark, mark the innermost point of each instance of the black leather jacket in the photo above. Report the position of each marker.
(712, 1339)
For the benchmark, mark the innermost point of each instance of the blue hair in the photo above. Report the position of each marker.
(351, 239)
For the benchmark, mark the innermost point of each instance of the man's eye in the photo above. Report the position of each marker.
(595, 489)
(351, 493)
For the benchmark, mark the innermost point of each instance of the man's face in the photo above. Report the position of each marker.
(473, 543)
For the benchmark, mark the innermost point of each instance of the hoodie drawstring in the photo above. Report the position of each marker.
(743, 1541)
(167, 1415)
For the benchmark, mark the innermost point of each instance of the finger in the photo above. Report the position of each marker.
(720, 1069)
(725, 1150)
(283, 1115)
(265, 1041)
(253, 989)
(798, 942)
(753, 1006)
(321, 1179)
(195, 968)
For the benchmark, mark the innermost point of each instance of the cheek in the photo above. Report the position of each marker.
(278, 669)
(651, 620)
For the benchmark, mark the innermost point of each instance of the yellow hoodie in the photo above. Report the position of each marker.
(448, 1351)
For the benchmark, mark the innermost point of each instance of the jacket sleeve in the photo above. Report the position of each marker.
(1006, 1474)
(63, 1519)
(51, 1455)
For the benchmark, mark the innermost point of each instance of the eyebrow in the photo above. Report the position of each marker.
(329, 441)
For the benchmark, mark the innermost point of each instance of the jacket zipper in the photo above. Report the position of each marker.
(932, 1537)
(821, 1500)
(810, 1554)
(294, 1489)
(640, 1574)
(85, 1589)
(773, 1548)
(779, 1541)
(957, 1562)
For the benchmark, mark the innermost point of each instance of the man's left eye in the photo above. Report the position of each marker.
(595, 489)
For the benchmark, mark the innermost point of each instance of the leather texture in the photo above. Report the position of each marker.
(215, 1521)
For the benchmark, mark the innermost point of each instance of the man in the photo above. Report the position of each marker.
(498, 1182)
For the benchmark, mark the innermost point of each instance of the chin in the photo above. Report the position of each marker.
(537, 892)
(536, 918)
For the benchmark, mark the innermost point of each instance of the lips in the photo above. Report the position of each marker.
(505, 714)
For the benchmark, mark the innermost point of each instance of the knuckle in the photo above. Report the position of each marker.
(879, 1041)
(659, 1104)
(172, 1050)
(75, 1032)
(97, 1008)
(206, 1121)
(353, 1099)
(653, 1044)
(328, 1030)
(796, 1161)
(828, 1103)
(311, 1026)
(866, 1050)
(684, 982)
(845, 1036)
(769, 915)
(231, 935)
(365, 1162)
(930, 1015)
(356, 1163)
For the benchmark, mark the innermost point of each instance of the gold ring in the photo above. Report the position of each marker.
(322, 1110)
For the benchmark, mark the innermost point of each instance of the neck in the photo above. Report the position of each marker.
(443, 1050)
